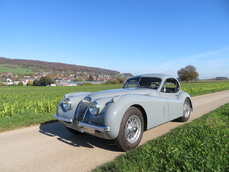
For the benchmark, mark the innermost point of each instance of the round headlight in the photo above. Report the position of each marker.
(67, 104)
(94, 108)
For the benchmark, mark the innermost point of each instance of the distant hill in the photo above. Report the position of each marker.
(221, 78)
(37, 66)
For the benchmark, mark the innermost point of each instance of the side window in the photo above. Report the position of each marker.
(171, 85)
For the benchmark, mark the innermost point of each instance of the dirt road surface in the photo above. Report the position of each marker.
(50, 147)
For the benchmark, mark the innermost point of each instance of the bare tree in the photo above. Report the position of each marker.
(91, 78)
(188, 73)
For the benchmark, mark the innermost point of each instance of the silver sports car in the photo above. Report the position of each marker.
(143, 102)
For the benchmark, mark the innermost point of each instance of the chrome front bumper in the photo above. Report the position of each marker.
(63, 118)
(82, 124)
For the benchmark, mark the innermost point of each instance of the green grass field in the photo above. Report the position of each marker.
(15, 69)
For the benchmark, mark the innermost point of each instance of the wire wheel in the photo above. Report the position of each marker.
(133, 129)
(187, 109)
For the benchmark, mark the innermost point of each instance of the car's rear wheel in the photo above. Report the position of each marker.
(186, 111)
(131, 130)
(73, 131)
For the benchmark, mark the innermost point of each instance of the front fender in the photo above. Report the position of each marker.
(117, 108)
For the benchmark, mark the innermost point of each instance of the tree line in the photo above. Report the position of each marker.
(55, 67)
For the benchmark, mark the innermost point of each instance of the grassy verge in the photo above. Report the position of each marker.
(24, 119)
(202, 145)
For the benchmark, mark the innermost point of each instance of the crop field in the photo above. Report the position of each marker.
(45, 99)
(24, 106)
(38, 99)
(195, 89)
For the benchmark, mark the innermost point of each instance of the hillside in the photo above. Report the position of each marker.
(37, 66)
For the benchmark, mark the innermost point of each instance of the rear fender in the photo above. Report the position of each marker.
(183, 96)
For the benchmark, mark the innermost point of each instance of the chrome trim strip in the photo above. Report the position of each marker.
(86, 112)
(99, 128)
(63, 118)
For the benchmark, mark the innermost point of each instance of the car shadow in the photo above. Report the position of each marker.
(58, 130)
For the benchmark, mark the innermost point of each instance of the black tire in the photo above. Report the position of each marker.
(131, 130)
(73, 131)
(186, 111)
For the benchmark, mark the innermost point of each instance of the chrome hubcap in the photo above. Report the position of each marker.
(133, 129)
(186, 110)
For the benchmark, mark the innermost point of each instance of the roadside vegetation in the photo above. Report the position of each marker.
(25, 106)
(201, 145)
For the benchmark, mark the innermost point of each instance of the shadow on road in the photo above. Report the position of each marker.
(82, 140)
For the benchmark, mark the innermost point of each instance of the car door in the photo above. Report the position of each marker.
(156, 107)
(170, 91)
(157, 110)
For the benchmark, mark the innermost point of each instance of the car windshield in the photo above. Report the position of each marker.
(142, 82)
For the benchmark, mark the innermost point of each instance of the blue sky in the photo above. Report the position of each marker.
(136, 36)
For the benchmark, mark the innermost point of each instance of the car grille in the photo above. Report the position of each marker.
(82, 108)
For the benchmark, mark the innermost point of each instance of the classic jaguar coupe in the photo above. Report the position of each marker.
(143, 102)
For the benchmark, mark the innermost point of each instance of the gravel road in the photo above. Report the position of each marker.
(50, 147)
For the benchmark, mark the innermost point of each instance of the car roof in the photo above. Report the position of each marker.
(162, 76)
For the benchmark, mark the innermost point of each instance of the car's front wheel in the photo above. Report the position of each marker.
(131, 130)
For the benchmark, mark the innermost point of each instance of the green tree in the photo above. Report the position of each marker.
(188, 73)
(35, 82)
(20, 84)
(45, 81)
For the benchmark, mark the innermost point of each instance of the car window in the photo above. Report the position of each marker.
(143, 82)
(170, 86)
(131, 83)
(147, 82)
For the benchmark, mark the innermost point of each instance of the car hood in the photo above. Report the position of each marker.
(118, 92)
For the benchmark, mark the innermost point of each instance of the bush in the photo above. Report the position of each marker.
(35, 82)
(121, 80)
(30, 83)
(20, 84)
(116, 81)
